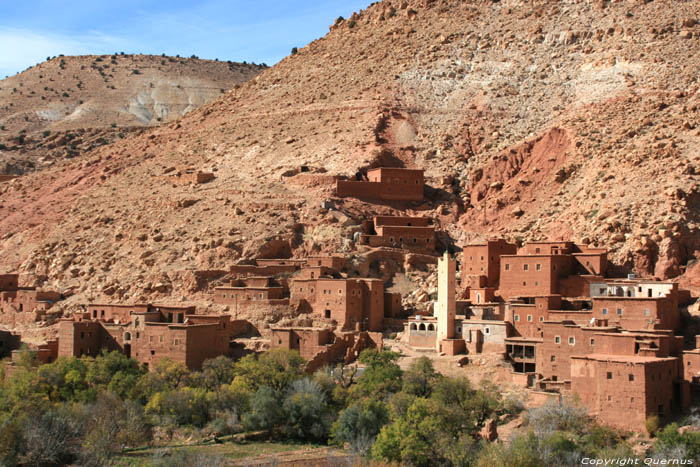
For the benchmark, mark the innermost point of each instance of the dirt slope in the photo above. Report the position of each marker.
(532, 120)
(69, 105)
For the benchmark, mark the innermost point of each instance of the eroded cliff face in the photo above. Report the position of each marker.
(533, 120)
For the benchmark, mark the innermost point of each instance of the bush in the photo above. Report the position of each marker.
(51, 439)
(265, 411)
(352, 23)
(294, 50)
(652, 425)
(184, 406)
(554, 416)
(360, 424)
(306, 411)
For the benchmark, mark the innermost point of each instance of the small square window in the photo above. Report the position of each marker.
(572, 340)
(557, 339)
(529, 318)
(609, 375)
(541, 319)
(592, 341)
(619, 311)
(517, 317)
(631, 377)
(553, 358)
(605, 311)
(525, 266)
(507, 267)
(539, 267)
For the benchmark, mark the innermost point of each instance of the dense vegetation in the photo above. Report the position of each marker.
(90, 410)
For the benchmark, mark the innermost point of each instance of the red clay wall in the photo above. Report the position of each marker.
(624, 394)
(9, 282)
(563, 350)
(638, 313)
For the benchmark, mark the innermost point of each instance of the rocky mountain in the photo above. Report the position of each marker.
(533, 119)
(70, 105)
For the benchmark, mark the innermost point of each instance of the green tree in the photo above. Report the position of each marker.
(265, 410)
(218, 371)
(359, 424)
(420, 377)
(276, 369)
(306, 411)
(382, 375)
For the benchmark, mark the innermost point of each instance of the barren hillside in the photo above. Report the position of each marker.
(532, 119)
(69, 105)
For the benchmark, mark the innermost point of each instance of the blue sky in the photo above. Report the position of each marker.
(261, 31)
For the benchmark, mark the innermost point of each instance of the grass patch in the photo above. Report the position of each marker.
(227, 450)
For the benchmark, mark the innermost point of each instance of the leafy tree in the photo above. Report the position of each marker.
(218, 371)
(307, 414)
(66, 380)
(360, 424)
(184, 406)
(265, 410)
(420, 377)
(276, 369)
(382, 375)
(115, 372)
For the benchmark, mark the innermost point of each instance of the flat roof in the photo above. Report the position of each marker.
(394, 168)
(536, 340)
(623, 358)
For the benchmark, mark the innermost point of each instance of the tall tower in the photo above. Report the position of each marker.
(446, 307)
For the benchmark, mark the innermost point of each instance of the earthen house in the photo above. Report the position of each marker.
(385, 183)
(148, 333)
(411, 233)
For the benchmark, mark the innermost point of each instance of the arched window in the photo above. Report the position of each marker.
(127, 336)
(431, 327)
(413, 326)
(421, 327)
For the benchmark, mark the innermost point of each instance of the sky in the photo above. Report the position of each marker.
(260, 31)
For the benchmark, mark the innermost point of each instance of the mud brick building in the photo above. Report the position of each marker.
(354, 304)
(481, 263)
(551, 268)
(411, 233)
(624, 390)
(8, 342)
(147, 333)
(23, 305)
(322, 347)
(385, 183)
(251, 291)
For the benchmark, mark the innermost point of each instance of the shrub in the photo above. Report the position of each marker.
(185, 406)
(294, 50)
(652, 425)
(46, 133)
(360, 424)
(557, 416)
(51, 439)
(339, 20)
(265, 411)
(307, 415)
(352, 23)
(276, 369)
